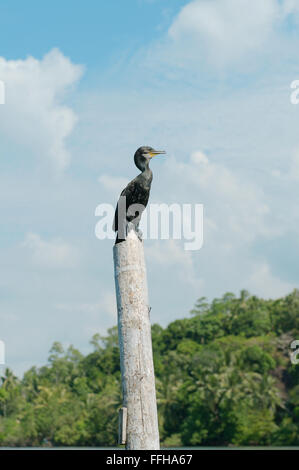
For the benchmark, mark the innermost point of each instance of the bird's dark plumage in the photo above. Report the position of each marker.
(134, 198)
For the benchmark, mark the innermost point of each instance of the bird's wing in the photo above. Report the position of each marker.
(128, 192)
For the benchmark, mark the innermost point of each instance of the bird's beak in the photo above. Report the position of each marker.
(157, 152)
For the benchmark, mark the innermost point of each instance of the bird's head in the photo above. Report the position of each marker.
(143, 155)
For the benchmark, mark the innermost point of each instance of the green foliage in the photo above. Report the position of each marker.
(223, 377)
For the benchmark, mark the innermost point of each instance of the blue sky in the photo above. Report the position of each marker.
(93, 33)
(89, 82)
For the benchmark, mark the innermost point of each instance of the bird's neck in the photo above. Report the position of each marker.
(147, 173)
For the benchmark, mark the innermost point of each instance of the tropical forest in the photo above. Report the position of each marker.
(226, 375)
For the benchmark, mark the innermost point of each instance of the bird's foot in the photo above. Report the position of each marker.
(130, 227)
(139, 234)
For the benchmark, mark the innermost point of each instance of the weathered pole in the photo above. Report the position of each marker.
(139, 421)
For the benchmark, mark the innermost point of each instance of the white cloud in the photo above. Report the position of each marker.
(50, 254)
(290, 173)
(290, 6)
(237, 205)
(225, 30)
(171, 255)
(97, 315)
(34, 114)
(262, 282)
(106, 305)
(199, 158)
(113, 183)
(237, 214)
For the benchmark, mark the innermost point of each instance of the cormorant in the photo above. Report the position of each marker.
(134, 198)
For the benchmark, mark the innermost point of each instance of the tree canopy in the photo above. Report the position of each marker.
(223, 376)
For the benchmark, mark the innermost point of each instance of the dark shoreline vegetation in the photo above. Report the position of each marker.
(223, 377)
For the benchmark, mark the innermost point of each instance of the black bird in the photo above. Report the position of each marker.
(134, 198)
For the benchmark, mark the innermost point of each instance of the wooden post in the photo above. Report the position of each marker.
(136, 357)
